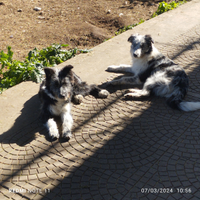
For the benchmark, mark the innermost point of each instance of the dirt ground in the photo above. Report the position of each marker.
(79, 23)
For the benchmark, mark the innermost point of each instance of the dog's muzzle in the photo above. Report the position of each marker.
(135, 55)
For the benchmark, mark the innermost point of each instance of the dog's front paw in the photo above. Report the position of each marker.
(54, 134)
(67, 135)
(52, 129)
(131, 91)
(136, 93)
(112, 68)
(103, 94)
(129, 96)
(78, 99)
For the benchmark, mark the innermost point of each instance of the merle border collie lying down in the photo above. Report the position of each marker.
(158, 74)
(56, 93)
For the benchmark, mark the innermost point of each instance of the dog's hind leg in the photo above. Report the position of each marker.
(120, 69)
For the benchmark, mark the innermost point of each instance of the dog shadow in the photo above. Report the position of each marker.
(27, 126)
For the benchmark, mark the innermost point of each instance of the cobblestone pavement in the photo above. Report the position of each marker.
(119, 150)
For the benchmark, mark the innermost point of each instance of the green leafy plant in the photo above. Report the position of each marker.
(164, 7)
(53, 55)
(13, 72)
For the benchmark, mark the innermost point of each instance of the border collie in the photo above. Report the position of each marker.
(59, 88)
(158, 74)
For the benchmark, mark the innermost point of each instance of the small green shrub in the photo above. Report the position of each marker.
(164, 7)
(13, 72)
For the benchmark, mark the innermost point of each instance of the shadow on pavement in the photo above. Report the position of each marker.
(25, 126)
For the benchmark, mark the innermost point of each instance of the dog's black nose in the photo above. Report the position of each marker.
(135, 55)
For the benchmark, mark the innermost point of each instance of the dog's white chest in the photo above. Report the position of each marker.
(60, 107)
(139, 65)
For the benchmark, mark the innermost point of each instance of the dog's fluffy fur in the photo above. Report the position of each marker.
(56, 93)
(160, 75)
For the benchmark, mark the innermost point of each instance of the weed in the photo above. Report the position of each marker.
(164, 7)
(13, 72)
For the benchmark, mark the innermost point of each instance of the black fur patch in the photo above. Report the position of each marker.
(159, 63)
(131, 38)
(149, 41)
(174, 102)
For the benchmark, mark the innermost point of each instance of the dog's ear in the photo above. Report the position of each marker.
(66, 71)
(149, 39)
(49, 72)
(131, 38)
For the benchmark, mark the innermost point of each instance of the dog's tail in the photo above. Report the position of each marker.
(176, 103)
(189, 106)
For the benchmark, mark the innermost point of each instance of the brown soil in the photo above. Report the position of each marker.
(82, 24)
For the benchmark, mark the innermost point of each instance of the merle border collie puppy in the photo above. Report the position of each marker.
(158, 74)
(59, 88)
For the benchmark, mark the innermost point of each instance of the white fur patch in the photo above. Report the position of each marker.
(52, 128)
(78, 98)
(189, 106)
(136, 93)
(138, 52)
(139, 65)
(60, 107)
(67, 122)
(161, 82)
(103, 93)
